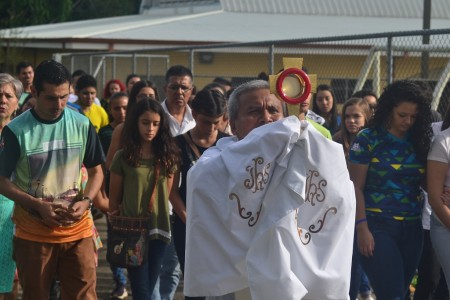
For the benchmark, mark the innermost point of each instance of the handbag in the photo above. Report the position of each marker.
(128, 238)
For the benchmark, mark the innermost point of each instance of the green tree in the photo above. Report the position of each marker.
(93, 9)
(19, 13)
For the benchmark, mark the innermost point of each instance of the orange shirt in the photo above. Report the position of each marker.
(30, 228)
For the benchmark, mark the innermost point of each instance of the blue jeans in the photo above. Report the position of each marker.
(143, 278)
(359, 283)
(398, 247)
(118, 275)
(169, 276)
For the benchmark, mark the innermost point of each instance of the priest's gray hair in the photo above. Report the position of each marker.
(17, 86)
(234, 101)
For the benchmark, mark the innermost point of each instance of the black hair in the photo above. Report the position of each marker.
(131, 76)
(52, 72)
(178, 70)
(210, 103)
(117, 96)
(137, 88)
(78, 72)
(333, 125)
(222, 81)
(22, 65)
(214, 85)
(85, 81)
(164, 147)
(364, 93)
(263, 76)
(411, 92)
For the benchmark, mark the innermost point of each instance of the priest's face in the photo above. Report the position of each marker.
(256, 108)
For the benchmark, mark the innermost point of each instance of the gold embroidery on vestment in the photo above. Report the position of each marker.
(314, 193)
(314, 187)
(246, 215)
(312, 228)
(258, 179)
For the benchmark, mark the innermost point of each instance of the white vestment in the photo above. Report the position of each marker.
(274, 212)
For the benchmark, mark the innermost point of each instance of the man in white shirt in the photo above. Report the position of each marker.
(178, 90)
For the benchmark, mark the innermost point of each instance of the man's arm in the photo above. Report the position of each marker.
(94, 183)
(9, 156)
(45, 209)
(93, 159)
(11, 191)
(175, 198)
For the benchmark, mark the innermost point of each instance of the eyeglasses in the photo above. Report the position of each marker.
(177, 87)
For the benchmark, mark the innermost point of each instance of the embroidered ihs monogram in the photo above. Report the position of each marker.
(259, 177)
(314, 191)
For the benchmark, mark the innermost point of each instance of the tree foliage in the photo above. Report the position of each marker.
(93, 9)
(18, 13)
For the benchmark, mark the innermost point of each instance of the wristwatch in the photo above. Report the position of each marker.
(87, 198)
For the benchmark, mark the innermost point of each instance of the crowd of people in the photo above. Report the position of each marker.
(241, 210)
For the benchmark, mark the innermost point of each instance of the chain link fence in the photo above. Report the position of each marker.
(347, 63)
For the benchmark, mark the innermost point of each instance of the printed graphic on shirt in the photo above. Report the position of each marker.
(55, 174)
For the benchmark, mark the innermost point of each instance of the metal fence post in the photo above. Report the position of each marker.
(72, 63)
(390, 60)
(271, 58)
(114, 67)
(191, 60)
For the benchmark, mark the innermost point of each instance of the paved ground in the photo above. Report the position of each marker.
(105, 284)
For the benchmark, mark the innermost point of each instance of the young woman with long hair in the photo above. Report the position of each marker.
(144, 168)
(387, 165)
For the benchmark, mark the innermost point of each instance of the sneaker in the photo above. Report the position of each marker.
(366, 296)
(120, 292)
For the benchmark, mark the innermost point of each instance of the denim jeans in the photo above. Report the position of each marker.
(143, 278)
(179, 235)
(398, 247)
(440, 238)
(359, 283)
(118, 275)
(169, 276)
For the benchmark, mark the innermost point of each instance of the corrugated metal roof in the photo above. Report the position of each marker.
(148, 4)
(358, 8)
(212, 24)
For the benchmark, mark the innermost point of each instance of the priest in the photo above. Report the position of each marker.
(270, 210)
